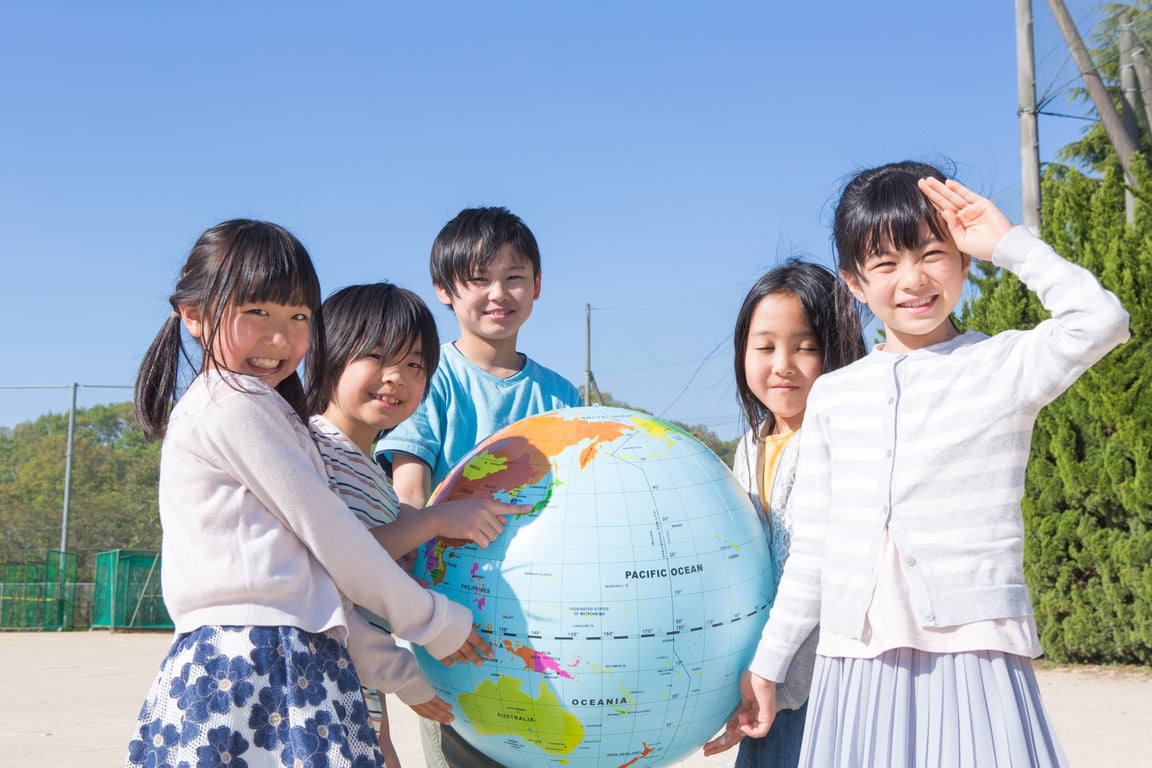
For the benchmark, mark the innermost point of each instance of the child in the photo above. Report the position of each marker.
(381, 345)
(256, 548)
(794, 325)
(486, 267)
(909, 536)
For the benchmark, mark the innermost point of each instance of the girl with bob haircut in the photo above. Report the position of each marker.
(382, 347)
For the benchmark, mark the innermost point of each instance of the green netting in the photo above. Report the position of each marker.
(39, 595)
(127, 592)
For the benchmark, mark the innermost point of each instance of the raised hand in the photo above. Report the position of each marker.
(975, 222)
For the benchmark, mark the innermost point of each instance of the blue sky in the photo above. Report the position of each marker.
(665, 154)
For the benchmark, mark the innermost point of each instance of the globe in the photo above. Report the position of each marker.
(622, 603)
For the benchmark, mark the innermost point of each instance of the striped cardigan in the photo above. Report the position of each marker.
(933, 444)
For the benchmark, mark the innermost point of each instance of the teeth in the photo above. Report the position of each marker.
(921, 303)
(264, 362)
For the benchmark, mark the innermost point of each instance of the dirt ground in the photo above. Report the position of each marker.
(71, 699)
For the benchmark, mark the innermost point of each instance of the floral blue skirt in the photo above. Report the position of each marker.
(250, 697)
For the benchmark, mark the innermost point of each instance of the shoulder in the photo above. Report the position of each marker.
(550, 382)
(231, 402)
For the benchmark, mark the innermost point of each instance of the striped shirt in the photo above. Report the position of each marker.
(356, 478)
(932, 445)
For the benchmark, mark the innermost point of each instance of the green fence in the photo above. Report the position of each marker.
(39, 595)
(127, 592)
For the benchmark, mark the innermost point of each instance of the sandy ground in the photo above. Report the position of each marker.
(71, 699)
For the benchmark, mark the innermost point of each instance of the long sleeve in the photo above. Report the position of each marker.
(384, 666)
(254, 535)
(1087, 319)
(796, 610)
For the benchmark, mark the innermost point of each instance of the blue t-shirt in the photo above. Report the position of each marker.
(466, 404)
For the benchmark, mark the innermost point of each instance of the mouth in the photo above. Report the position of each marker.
(498, 314)
(386, 401)
(264, 366)
(919, 306)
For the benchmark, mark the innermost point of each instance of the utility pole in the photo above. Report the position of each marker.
(1144, 76)
(1124, 146)
(1029, 133)
(587, 354)
(1128, 102)
(68, 472)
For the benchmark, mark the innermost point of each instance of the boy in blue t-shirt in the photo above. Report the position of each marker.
(486, 267)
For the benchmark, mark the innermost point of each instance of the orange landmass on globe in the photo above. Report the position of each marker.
(536, 661)
(647, 751)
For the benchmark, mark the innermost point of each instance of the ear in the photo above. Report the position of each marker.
(965, 263)
(444, 295)
(853, 283)
(193, 321)
(536, 292)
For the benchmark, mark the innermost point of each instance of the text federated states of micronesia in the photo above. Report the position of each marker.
(663, 573)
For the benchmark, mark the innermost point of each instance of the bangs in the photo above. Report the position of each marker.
(896, 218)
(271, 266)
(393, 333)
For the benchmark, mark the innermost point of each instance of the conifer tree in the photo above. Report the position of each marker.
(1088, 498)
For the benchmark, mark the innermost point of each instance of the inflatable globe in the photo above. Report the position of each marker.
(622, 604)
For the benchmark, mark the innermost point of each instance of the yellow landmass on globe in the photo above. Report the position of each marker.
(502, 708)
(484, 464)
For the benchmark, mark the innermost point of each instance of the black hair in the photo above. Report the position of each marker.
(884, 204)
(828, 307)
(235, 262)
(361, 318)
(470, 242)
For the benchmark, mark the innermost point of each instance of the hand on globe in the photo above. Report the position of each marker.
(436, 709)
(728, 738)
(474, 650)
(478, 521)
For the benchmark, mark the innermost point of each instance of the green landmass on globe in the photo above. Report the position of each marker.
(622, 604)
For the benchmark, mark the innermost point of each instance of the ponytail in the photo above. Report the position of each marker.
(156, 380)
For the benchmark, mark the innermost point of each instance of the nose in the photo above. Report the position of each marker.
(783, 362)
(912, 273)
(391, 373)
(277, 332)
(497, 290)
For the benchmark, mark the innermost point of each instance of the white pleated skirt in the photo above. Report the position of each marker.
(923, 710)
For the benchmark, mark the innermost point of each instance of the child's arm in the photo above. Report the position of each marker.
(1087, 320)
(475, 520)
(411, 479)
(271, 454)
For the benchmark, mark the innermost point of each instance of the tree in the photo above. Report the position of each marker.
(113, 492)
(1088, 498)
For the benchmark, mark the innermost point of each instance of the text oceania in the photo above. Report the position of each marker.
(659, 573)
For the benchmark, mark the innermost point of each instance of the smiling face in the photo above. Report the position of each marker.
(782, 359)
(913, 291)
(262, 339)
(495, 302)
(373, 393)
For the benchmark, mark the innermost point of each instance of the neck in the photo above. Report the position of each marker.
(898, 343)
(495, 356)
(362, 435)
